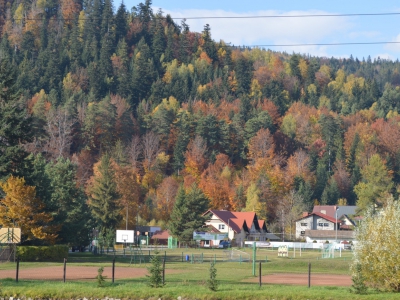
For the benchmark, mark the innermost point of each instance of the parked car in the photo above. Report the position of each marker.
(224, 244)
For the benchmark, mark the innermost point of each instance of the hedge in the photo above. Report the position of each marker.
(42, 253)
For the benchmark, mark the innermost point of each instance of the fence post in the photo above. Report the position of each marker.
(192, 258)
(17, 272)
(259, 274)
(113, 270)
(182, 256)
(163, 273)
(309, 275)
(165, 256)
(65, 270)
(266, 258)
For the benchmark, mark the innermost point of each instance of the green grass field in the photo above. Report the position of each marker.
(188, 280)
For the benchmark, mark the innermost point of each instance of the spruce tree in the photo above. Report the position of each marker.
(187, 214)
(15, 124)
(103, 197)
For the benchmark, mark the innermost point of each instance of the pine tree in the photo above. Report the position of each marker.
(103, 197)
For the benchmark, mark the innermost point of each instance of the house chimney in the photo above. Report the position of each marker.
(305, 214)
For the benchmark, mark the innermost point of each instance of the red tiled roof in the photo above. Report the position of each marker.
(247, 216)
(161, 235)
(236, 220)
(261, 224)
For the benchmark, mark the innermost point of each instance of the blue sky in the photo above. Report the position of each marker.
(295, 30)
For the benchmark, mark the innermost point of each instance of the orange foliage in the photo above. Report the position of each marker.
(216, 183)
(69, 9)
(272, 109)
(204, 56)
(261, 146)
(366, 148)
(388, 136)
(298, 166)
(195, 161)
(166, 193)
(129, 189)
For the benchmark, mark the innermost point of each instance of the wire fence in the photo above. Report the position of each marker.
(134, 263)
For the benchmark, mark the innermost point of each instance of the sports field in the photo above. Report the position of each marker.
(282, 278)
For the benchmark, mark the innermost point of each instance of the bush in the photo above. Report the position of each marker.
(377, 251)
(42, 253)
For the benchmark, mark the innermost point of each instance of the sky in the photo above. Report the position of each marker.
(284, 31)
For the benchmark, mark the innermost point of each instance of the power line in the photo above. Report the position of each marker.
(313, 44)
(290, 16)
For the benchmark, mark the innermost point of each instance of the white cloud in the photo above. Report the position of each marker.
(364, 34)
(270, 31)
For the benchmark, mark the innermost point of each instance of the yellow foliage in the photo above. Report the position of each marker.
(81, 21)
(201, 88)
(19, 14)
(20, 208)
(324, 102)
(303, 66)
(377, 251)
(312, 89)
(325, 70)
(255, 89)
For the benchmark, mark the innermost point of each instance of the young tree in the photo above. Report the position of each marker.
(20, 208)
(103, 197)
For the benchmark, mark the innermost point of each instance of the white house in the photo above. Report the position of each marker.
(316, 221)
(240, 226)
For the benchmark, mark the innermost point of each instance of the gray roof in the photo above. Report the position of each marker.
(272, 237)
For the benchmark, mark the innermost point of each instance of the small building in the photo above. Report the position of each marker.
(322, 236)
(160, 237)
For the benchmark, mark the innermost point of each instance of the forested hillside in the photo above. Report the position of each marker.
(107, 111)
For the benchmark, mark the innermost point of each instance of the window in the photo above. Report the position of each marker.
(320, 224)
(302, 232)
(221, 226)
(304, 224)
(326, 224)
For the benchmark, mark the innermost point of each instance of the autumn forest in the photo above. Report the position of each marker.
(113, 112)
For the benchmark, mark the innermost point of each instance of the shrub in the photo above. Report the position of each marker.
(42, 253)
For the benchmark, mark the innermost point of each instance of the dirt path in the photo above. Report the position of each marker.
(75, 273)
(302, 279)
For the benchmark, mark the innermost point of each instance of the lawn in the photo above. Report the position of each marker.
(188, 280)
